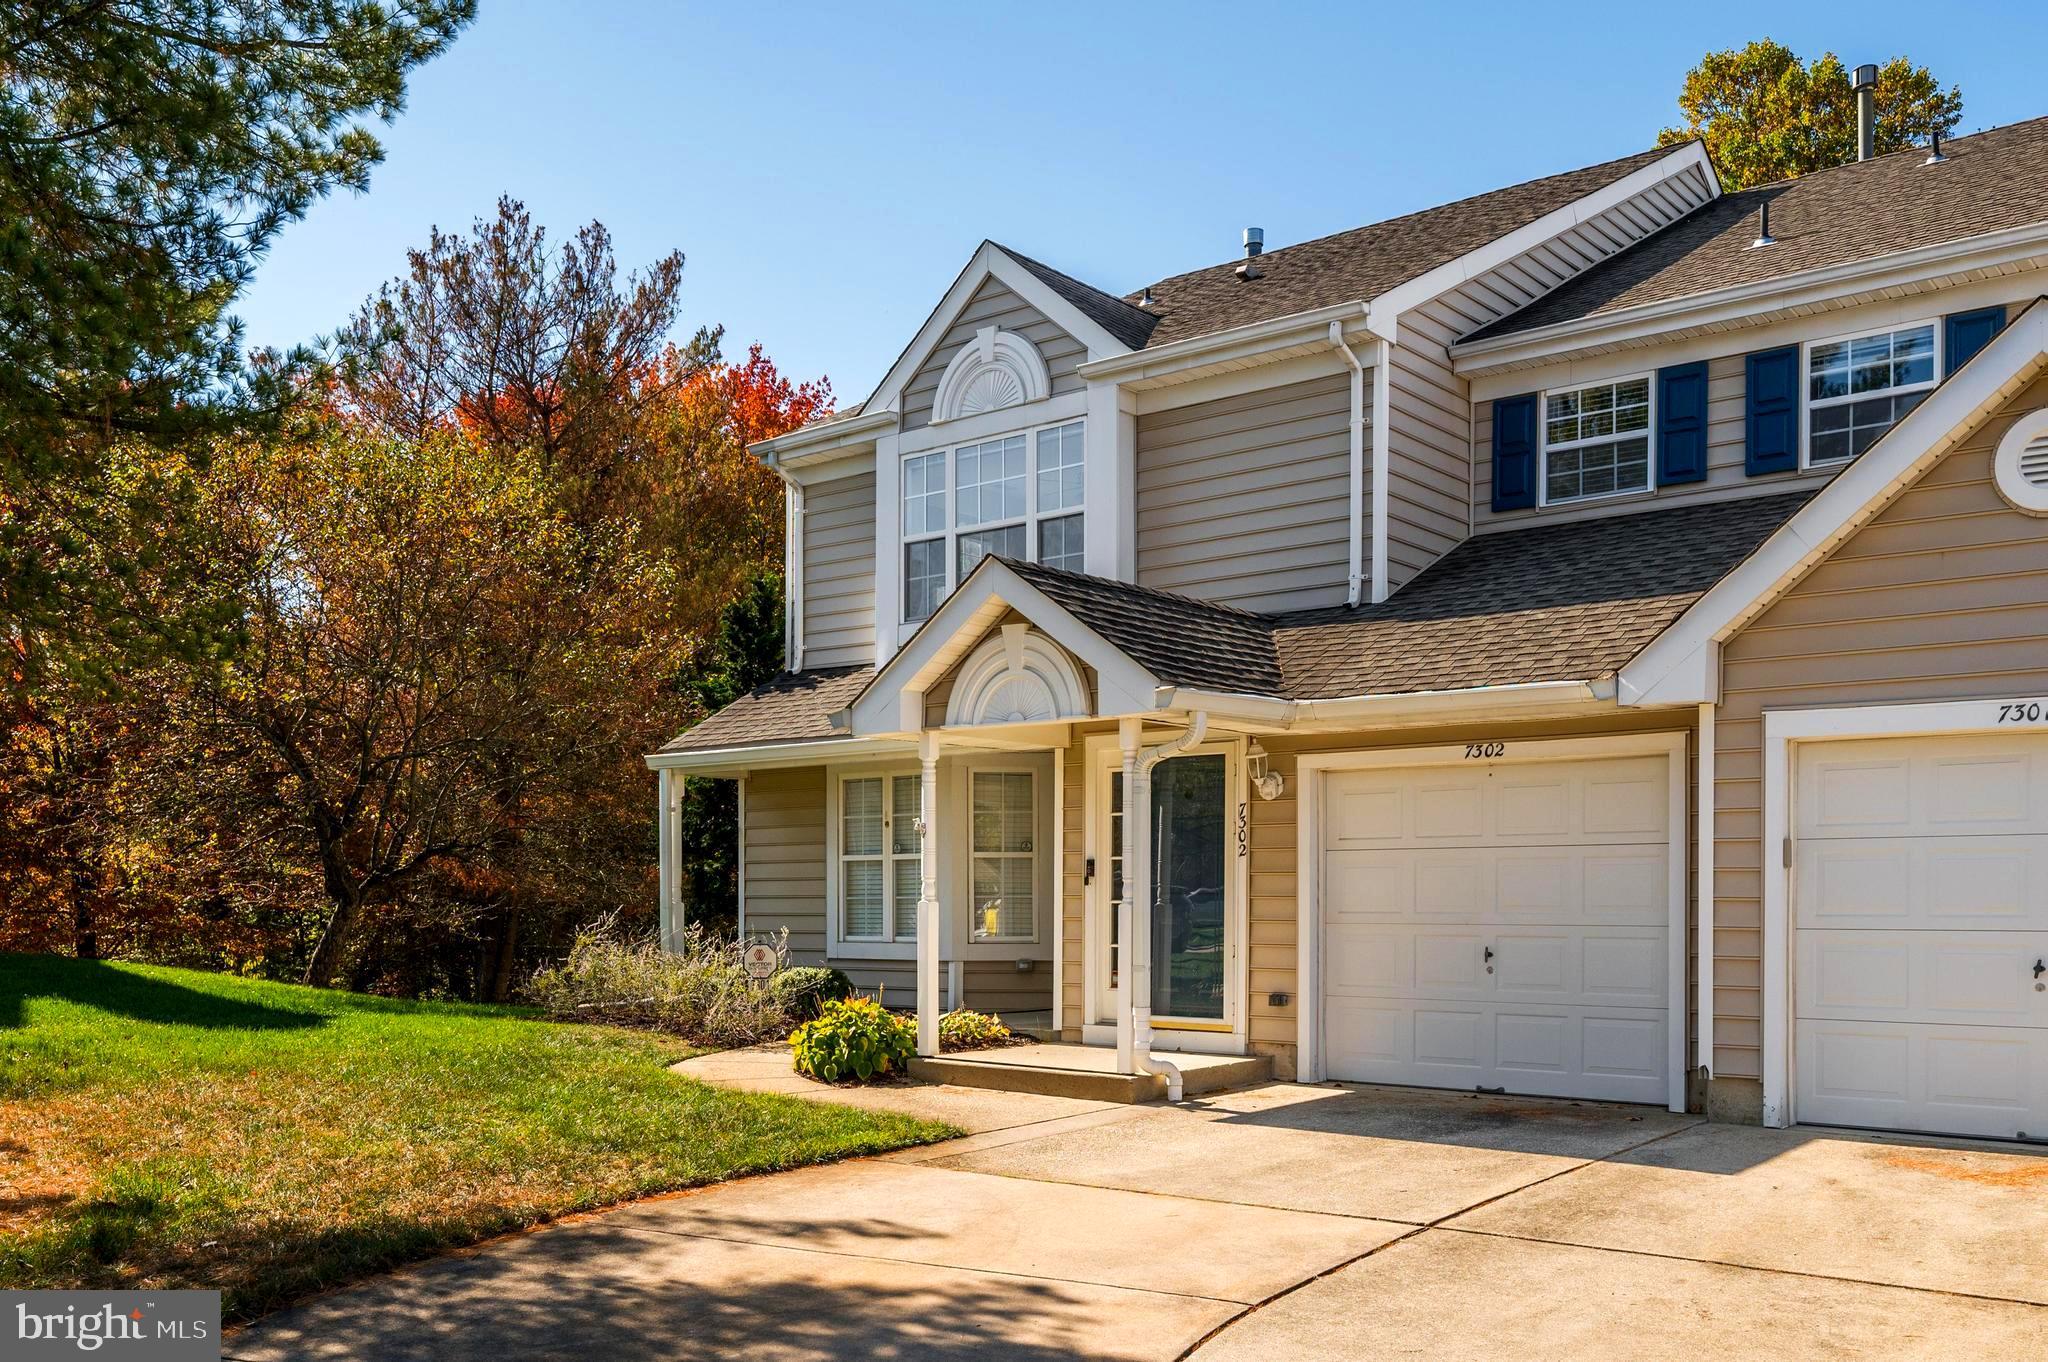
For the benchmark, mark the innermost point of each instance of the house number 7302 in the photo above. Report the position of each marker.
(2022, 712)
(1481, 751)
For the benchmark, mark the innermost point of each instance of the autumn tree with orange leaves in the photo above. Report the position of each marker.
(508, 530)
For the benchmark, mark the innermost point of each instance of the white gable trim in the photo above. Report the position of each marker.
(1386, 309)
(1681, 665)
(990, 261)
(894, 701)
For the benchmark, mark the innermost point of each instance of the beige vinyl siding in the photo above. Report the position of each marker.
(1242, 499)
(1275, 911)
(1726, 456)
(1430, 433)
(1944, 595)
(839, 571)
(1726, 437)
(994, 304)
(783, 857)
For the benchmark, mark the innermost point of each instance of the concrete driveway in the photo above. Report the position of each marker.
(1281, 1221)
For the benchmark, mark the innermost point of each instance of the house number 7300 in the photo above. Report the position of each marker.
(2022, 712)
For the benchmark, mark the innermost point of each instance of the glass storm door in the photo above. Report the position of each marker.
(1188, 863)
(1189, 913)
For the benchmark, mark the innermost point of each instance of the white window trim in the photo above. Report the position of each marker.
(837, 944)
(1543, 441)
(1031, 520)
(1040, 880)
(1807, 404)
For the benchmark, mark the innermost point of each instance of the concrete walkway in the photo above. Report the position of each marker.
(1280, 1221)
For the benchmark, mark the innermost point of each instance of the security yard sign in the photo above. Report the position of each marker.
(760, 961)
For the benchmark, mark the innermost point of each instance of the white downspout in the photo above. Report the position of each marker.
(1356, 571)
(793, 571)
(1382, 464)
(1704, 798)
(1138, 766)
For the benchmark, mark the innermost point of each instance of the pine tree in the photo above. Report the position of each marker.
(745, 653)
(150, 151)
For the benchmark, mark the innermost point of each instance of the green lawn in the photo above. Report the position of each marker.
(167, 1128)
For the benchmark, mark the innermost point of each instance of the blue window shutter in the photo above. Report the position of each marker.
(1969, 332)
(1682, 423)
(1514, 452)
(1771, 441)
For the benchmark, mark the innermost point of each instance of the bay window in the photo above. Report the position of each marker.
(1019, 496)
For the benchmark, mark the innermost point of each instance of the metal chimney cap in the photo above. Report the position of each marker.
(1866, 77)
(1254, 241)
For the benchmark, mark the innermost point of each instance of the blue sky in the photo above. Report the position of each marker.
(827, 169)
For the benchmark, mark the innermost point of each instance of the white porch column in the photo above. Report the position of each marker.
(928, 896)
(1128, 731)
(668, 894)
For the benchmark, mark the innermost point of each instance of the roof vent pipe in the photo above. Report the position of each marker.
(1254, 241)
(1866, 112)
(1934, 156)
(1763, 227)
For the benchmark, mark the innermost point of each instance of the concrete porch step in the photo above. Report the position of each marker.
(1087, 1072)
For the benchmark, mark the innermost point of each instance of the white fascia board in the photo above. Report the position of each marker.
(732, 762)
(1367, 711)
(1743, 302)
(989, 260)
(827, 440)
(1122, 685)
(1239, 344)
(1679, 665)
(1388, 307)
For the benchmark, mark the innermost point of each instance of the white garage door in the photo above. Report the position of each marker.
(1920, 915)
(1500, 925)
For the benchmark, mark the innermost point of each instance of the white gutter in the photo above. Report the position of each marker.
(764, 755)
(1135, 1018)
(1742, 302)
(1357, 498)
(1275, 333)
(1423, 704)
(830, 437)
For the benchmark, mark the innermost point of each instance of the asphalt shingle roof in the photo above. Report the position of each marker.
(1554, 603)
(1180, 640)
(1366, 261)
(1990, 181)
(1126, 321)
(794, 707)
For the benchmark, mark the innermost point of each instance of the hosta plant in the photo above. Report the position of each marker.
(853, 1039)
(965, 1029)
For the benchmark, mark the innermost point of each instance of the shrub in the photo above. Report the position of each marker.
(853, 1038)
(964, 1029)
(700, 990)
(804, 990)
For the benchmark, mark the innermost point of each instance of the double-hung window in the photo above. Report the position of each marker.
(880, 862)
(1857, 387)
(1016, 495)
(1004, 822)
(1596, 440)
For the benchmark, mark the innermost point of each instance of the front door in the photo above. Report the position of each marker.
(1193, 899)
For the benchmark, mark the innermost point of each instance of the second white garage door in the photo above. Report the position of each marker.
(1920, 908)
(1500, 924)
